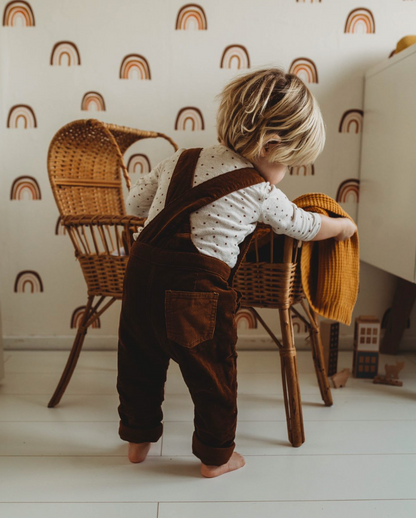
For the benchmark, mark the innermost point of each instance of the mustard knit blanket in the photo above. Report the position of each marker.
(329, 268)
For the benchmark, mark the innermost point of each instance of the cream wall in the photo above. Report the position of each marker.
(185, 71)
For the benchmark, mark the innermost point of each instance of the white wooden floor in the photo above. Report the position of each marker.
(359, 458)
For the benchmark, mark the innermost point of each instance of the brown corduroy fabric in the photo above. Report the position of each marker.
(329, 268)
(180, 304)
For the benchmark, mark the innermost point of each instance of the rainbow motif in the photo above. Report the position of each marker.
(25, 187)
(302, 170)
(18, 13)
(348, 191)
(189, 113)
(60, 230)
(134, 65)
(245, 318)
(304, 68)
(28, 278)
(77, 317)
(93, 101)
(235, 54)
(191, 16)
(140, 163)
(24, 112)
(360, 18)
(68, 49)
(351, 118)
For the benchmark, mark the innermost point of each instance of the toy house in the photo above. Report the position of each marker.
(366, 346)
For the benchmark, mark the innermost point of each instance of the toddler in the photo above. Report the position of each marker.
(202, 206)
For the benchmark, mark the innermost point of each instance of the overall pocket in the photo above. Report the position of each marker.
(190, 316)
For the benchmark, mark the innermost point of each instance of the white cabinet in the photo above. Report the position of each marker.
(387, 200)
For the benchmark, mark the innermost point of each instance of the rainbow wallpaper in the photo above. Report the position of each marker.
(17, 14)
(65, 53)
(191, 17)
(158, 65)
(134, 66)
(235, 56)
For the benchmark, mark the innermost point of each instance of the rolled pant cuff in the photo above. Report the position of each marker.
(210, 455)
(134, 435)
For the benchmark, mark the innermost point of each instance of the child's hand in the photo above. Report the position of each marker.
(349, 228)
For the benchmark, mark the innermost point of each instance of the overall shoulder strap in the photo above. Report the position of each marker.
(167, 222)
(183, 174)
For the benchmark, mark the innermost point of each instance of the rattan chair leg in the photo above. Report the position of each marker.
(290, 380)
(319, 360)
(73, 356)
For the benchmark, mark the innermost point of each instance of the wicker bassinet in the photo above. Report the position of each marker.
(85, 162)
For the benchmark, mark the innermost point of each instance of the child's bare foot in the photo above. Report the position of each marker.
(138, 451)
(236, 461)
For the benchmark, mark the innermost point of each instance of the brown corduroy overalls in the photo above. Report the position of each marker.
(179, 303)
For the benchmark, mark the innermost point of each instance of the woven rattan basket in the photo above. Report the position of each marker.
(85, 162)
(264, 279)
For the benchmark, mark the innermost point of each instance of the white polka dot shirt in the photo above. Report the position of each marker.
(219, 227)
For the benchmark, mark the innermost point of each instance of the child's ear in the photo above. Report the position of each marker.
(272, 141)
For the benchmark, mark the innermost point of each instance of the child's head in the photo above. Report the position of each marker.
(273, 110)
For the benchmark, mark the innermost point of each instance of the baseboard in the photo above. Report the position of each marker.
(246, 342)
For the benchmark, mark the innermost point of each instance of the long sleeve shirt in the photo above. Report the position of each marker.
(219, 227)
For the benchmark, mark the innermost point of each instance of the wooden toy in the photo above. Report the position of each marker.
(340, 378)
(329, 337)
(366, 346)
(387, 381)
(392, 375)
(392, 371)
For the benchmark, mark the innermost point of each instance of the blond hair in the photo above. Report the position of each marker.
(255, 106)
